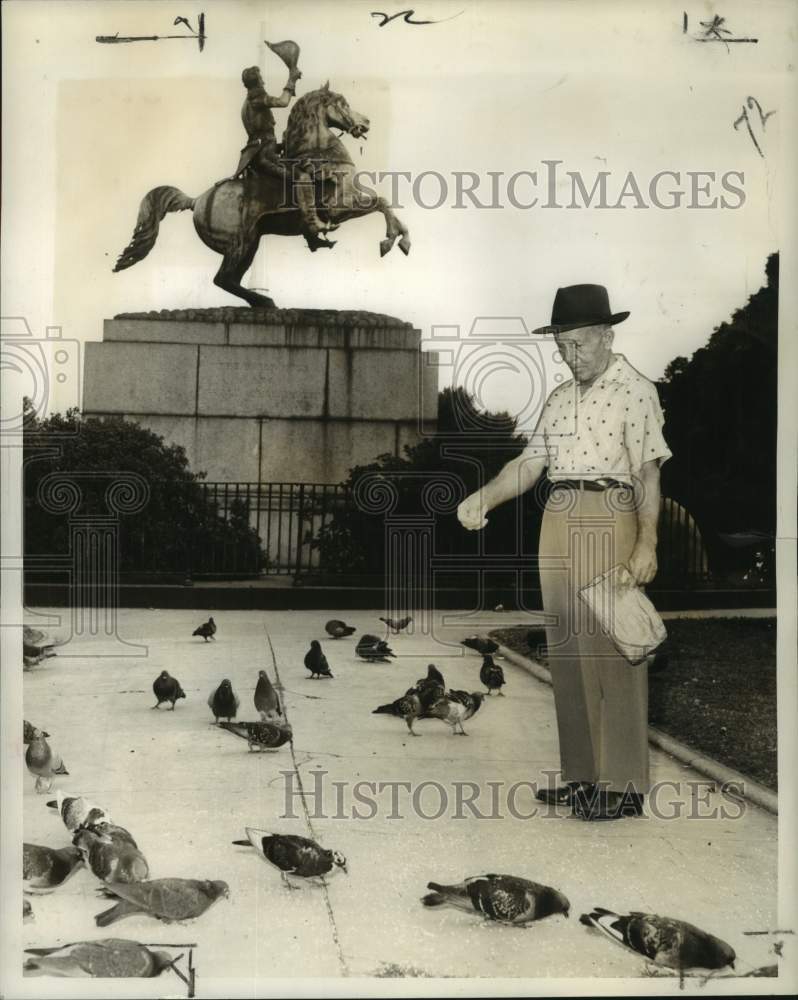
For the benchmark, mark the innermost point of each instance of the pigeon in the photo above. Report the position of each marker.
(36, 645)
(316, 661)
(261, 735)
(77, 811)
(29, 731)
(491, 675)
(338, 630)
(267, 701)
(45, 868)
(430, 689)
(663, 940)
(293, 855)
(506, 898)
(487, 647)
(407, 707)
(111, 854)
(373, 649)
(223, 701)
(397, 626)
(27, 912)
(42, 761)
(165, 899)
(207, 630)
(167, 688)
(108, 958)
(455, 708)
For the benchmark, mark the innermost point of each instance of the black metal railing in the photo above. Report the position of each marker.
(285, 517)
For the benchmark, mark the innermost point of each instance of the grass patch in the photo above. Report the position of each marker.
(714, 688)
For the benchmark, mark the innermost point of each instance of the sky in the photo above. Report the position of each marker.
(494, 87)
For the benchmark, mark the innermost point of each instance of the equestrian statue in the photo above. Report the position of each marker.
(304, 186)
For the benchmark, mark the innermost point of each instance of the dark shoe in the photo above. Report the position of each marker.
(592, 804)
(562, 796)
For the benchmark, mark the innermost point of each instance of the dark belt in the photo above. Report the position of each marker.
(595, 485)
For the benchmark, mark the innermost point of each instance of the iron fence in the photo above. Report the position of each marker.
(285, 518)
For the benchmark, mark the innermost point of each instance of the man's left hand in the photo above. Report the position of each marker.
(643, 563)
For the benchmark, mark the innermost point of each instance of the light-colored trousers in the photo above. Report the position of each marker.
(600, 698)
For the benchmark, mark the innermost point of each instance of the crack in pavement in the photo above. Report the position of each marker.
(330, 915)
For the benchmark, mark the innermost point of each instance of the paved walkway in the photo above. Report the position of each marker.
(186, 790)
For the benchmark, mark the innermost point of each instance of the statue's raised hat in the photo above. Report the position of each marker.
(576, 306)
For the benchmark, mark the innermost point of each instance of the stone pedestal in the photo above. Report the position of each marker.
(266, 395)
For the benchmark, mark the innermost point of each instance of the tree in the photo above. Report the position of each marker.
(721, 412)
(468, 448)
(181, 529)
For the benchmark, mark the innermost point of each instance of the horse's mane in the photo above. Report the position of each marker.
(302, 113)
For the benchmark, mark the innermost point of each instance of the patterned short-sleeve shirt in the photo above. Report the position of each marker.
(611, 431)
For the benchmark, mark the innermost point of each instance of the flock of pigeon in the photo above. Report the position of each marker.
(111, 853)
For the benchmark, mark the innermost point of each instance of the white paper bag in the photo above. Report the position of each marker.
(624, 613)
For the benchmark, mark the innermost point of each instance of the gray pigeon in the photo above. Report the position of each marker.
(36, 645)
(45, 868)
(337, 629)
(373, 649)
(316, 661)
(224, 702)
(455, 708)
(111, 854)
(663, 940)
(165, 899)
(397, 626)
(29, 731)
(167, 688)
(43, 762)
(429, 689)
(267, 702)
(110, 958)
(293, 855)
(264, 735)
(77, 811)
(506, 898)
(207, 630)
(408, 707)
(491, 675)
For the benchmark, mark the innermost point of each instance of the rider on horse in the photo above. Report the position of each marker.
(260, 156)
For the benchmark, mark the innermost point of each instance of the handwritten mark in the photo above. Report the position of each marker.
(715, 32)
(407, 17)
(752, 933)
(199, 34)
(750, 104)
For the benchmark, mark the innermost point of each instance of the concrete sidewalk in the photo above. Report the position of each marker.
(186, 790)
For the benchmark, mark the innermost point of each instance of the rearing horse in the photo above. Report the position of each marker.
(231, 217)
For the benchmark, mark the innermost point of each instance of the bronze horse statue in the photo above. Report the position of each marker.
(231, 217)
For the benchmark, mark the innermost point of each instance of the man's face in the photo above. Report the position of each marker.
(586, 351)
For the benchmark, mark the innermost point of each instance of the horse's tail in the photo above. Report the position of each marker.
(154, 206)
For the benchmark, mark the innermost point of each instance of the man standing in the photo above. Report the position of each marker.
(600, 436)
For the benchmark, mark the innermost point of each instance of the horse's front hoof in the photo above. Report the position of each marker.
(385, 246)
(404, 245)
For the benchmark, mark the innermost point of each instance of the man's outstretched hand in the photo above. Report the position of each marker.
(471, 512)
